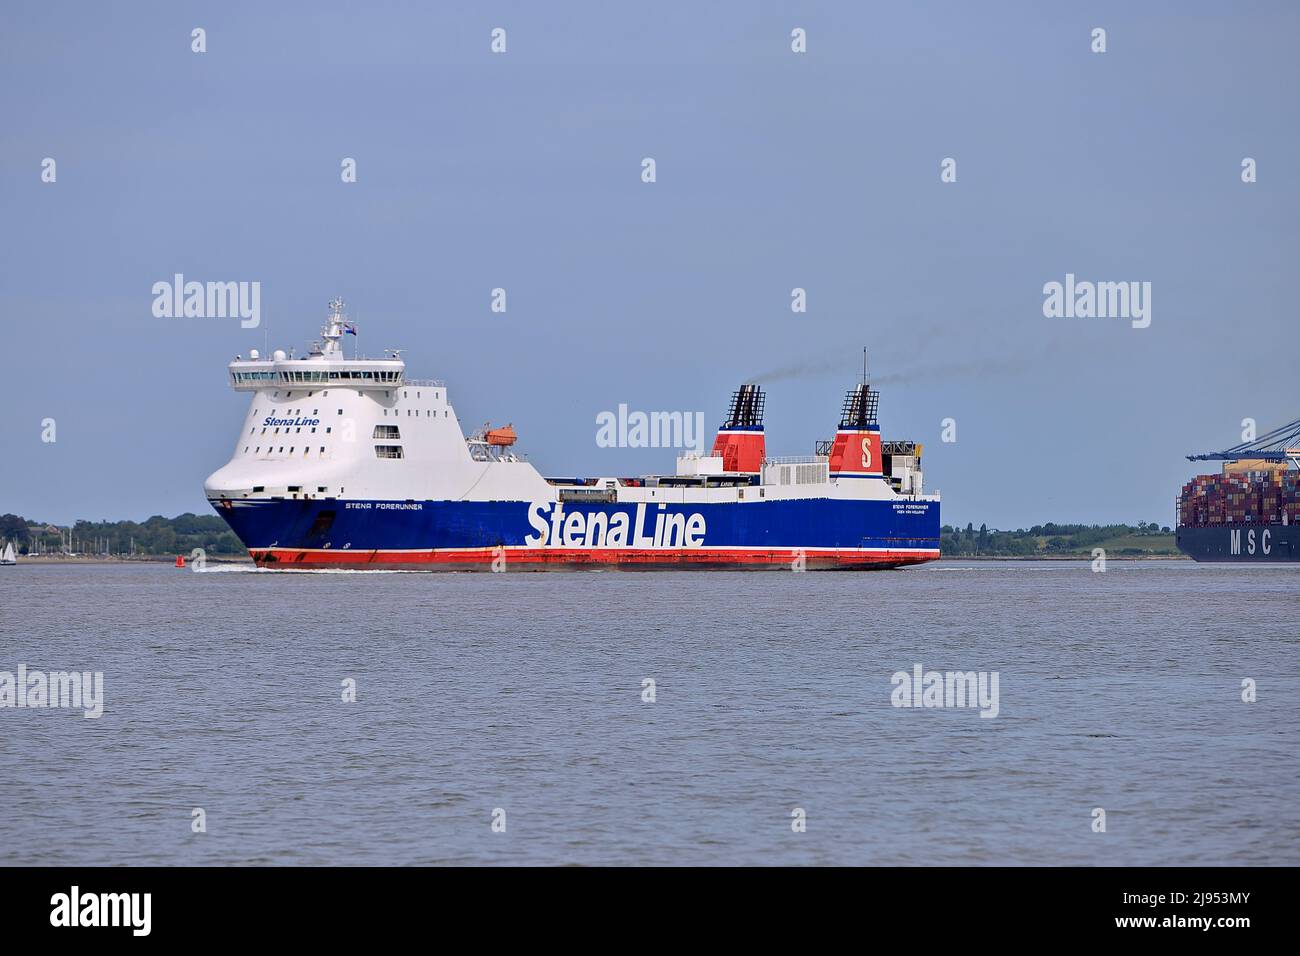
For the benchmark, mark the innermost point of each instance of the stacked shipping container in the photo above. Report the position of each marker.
(1251, 497)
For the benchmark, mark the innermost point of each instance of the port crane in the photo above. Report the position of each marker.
(1281, 444)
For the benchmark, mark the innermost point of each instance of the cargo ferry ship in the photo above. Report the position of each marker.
(348, 463)
(1251, 511)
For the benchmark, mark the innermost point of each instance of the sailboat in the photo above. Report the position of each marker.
(8, 557)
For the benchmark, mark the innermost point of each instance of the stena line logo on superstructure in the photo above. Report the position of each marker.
(290, 422)
(612, 529)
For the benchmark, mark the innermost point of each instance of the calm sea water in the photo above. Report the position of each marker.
(524, 692)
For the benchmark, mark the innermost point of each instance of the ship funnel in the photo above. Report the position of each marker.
(855, 453)
(740, 442)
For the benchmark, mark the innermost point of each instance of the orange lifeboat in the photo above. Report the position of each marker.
(502, 437)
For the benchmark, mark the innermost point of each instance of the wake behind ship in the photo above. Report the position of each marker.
(347, 463)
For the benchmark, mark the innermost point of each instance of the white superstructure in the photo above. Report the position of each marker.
(329, 426)
(326, 426)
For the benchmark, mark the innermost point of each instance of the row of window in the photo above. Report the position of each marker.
(427, 413)
(272, 450)
(387, 394)
(316, 411)
(343, 375)
(296, 489)
(297, 429)
(381, 451)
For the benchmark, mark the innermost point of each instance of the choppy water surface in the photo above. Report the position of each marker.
(523, 692)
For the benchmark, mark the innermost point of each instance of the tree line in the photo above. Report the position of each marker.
(1045, 539)
(157, 535)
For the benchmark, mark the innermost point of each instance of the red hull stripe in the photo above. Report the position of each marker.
(586, 557)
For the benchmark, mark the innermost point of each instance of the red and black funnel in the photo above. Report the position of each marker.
(856, 450)
(740, 441)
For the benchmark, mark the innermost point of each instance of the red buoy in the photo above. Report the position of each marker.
(180, 561)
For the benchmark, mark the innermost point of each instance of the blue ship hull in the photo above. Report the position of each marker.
(812, 533)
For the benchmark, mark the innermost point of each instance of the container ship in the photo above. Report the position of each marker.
(1251, 511)
(347, 463)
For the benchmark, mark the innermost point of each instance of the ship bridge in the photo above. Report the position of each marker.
(324, 364)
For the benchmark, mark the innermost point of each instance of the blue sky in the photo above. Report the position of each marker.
(775, 171)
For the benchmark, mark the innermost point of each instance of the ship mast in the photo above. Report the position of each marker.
(335, 325)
